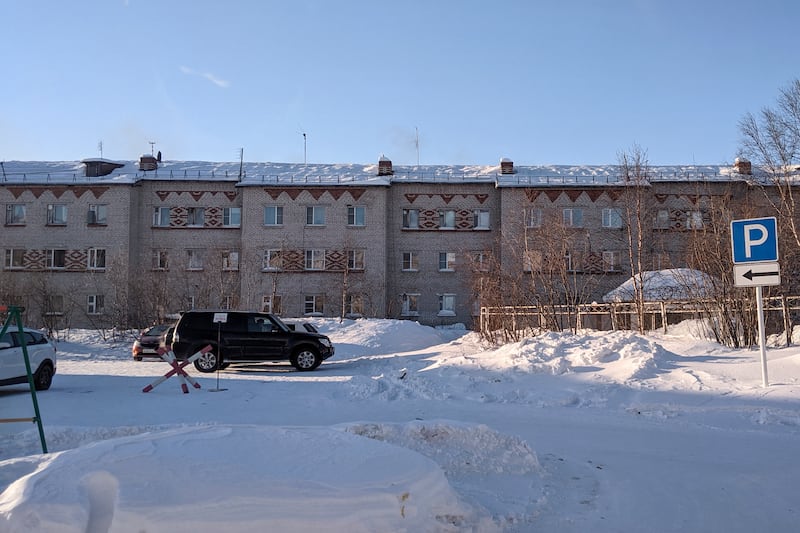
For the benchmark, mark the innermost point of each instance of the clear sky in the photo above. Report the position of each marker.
(537, 81)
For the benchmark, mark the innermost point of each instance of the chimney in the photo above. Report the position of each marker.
(506, 166)
(385, 166)
(742, 166)
(147, 162)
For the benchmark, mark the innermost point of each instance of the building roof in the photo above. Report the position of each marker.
(255, 174)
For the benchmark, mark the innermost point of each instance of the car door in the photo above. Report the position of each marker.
(11, 363)
(270, 342)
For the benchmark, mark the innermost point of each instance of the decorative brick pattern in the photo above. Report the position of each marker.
(213, 217)
(335, 261)
(34, 259)
(75, 260)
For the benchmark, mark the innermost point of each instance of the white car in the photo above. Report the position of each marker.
(41, 355)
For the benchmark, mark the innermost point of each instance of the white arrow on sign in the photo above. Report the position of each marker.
(755, 274)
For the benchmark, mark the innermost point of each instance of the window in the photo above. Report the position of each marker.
(313, 304)
(480, 219)
(662, 219)
(56, 214)
(15, 258)
(480, 261)
(95, 304)
(315, 259)
(161, 217)
(271, 260)
(447, 305)
(232, 217)
(190, 302)
(661, 261)
(410, 305)
(572, 261)
(98, 215)
(160, 260)
(271, 303)
(15, 214)
(447, 261)
(230, 302)
(612, 217)
(97, 259)
(410, 261)
(611, 261)
(194, 259)
(54, 305)
(410, 218)
(532, 261)
(315, 215)
(533, 217)
(573, 218)
(230, 260)
(356, 215)
(694, 220)
(354, 305)
(56, 259)
(447, 219)
(355, 260)
(273, 215)
(196, 216)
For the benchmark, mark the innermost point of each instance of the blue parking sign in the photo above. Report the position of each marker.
(754, 240)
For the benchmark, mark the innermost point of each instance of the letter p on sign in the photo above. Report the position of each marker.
(754, 235)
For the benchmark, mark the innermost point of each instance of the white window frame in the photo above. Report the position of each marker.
(481, 219)
(56, 214)
(56, 259)
(98, 215)
(356, 215)
(313, 305)
(15, 258)
(273, 215)
(533, 217)
(231, 217)
(272, 260)
(410, 262)
(271, 304)
(194, 259)
(532, 261)
(54, 305)
(480, 261)
(447, 261)
(410, 304)
(661, 220)
(15, 214)
(96, 259)
(161, 216)
(196, 217)
(573, 217)
(230, 260)
(95, 304)
(160, 260)
(447, 219)
(611, 260)
(355, 259)
(694, 220)
(354, 305)
(410, 218)
(612, 217)
(315, 259)
(447, 304)
(315, 215)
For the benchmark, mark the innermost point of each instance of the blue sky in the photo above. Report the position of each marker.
(540, 82)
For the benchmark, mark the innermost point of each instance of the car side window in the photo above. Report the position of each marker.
(7, 339)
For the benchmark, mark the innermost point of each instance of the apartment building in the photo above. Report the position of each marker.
(100, 242)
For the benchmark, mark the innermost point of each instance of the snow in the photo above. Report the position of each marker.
(414, 429)
(662, 285)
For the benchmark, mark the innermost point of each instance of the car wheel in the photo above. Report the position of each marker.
(306, 359)
(43, 377)
(207, 362)
(137, 358)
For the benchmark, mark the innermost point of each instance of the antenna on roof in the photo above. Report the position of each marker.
(241, 162)
(305, 151)
(100, 147)
(152, 144)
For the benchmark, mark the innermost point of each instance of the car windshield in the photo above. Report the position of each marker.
(156, 330)
(280, 323)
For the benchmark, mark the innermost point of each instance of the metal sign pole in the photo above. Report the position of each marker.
(762, 336)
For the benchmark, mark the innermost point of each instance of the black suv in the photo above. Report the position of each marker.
(246, 337)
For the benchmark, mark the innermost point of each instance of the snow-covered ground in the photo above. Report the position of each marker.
(412, 429)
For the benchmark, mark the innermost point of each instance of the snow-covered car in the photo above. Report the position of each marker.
(41, 355)
(150, 340)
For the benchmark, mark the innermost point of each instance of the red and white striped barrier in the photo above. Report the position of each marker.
(177, 368)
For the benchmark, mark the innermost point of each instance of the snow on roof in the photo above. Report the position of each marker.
(37, 172)
(670, 284)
